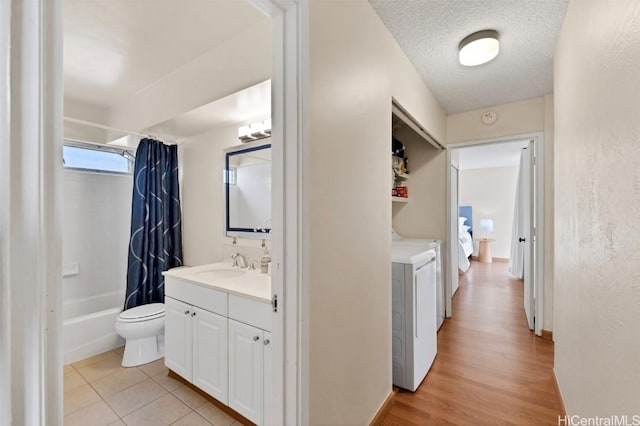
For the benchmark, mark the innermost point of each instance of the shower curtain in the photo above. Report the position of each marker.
(155, 244)
(516, 260)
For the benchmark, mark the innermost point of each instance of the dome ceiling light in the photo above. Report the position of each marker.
(479, 48)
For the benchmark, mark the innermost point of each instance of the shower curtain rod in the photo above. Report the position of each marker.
(100, 144)
(130, 132)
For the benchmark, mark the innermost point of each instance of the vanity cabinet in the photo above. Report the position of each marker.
(220, 342)
(250, 358)
(246, 369)
(178, 337)
(196, 346)
(210, 349)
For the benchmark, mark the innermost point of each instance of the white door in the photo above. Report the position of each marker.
(246, 370)
(210, 353)
(177, 337)
(452, 244)
(269, 402)
(527, 239)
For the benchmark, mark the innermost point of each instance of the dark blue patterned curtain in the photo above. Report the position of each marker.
(156, 229)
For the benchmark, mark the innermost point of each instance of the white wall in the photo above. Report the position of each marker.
(96, 227)
(597, 200)
(513, 119)
(201, 162)
(84, 112)
(234, 65)
(355, 67)
(549, 219)
(423, 216)
(517, 118)
(491, 192)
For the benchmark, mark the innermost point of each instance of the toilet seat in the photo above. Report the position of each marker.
(142, 313)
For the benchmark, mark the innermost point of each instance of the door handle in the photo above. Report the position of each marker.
(256, 338)
(186, 312)
(193, 314)
(266, 342)
(522, 240)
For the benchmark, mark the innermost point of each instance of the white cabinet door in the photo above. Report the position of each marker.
(178, 338)
(246, 370)
(210, 353)
(268, 379)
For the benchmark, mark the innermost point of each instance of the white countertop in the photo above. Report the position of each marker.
(241, 282)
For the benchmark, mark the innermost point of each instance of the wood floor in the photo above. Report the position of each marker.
(490, 368)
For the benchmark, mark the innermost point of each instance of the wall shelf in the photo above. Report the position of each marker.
(400, 199)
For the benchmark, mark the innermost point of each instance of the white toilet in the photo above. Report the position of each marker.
(143, 329)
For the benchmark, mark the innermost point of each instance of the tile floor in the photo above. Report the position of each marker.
(98, 391)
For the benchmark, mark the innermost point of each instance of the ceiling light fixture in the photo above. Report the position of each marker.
(479, 48)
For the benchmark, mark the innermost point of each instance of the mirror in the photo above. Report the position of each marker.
(248, 190)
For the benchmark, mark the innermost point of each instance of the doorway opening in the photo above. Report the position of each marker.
(286, 120)
(495, 207)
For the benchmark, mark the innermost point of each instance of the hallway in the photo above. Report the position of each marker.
(490, 368)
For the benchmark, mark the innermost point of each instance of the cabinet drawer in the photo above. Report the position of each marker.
(249, 311)
(203, 297)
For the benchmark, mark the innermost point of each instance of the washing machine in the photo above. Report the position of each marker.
(414, 313)
(425, 244)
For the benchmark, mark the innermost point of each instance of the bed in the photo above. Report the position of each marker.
(465, 237)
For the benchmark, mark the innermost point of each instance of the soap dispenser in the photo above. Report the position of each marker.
(265, 259)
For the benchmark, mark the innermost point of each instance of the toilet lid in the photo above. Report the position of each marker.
(143, 312)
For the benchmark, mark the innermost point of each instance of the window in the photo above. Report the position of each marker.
(97, 159)
(229, 176)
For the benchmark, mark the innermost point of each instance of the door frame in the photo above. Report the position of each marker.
(289, 22)
(38, 34)
(538, 188)
(452, 249)
(31, 108)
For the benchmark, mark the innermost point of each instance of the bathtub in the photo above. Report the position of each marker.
(89, 325)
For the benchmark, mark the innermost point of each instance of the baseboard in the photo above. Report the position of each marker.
(547, 335)
(495, 259)
(563, 409)
(382, 413)
(239, 417)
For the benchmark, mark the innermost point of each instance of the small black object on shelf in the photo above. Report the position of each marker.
(397, 148)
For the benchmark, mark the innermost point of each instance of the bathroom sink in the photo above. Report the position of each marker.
(220, 274)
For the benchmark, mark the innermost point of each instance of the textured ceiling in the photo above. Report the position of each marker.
(429, 31)
(115, 48)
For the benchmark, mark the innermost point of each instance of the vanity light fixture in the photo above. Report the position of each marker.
(255, 131)
(479, 48)
(244, 133)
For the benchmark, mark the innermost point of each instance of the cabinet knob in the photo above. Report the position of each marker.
(266, 342)
(193, 314)
(256, 338)
(186, 312)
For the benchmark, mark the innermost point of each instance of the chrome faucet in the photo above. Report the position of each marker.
(238, 260)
